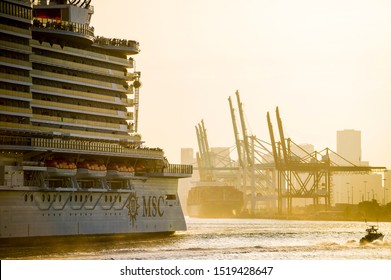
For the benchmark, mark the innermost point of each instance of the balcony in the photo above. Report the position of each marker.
(16, 79)
(51, 30)
(80, 67)
(81, 95)
(17, 111)
(15, 47)
(16, 63)
(16, 31)
(126, 47)
(77, 80)
(83, 54)
(76, 122)
(9, 126)
(17, 95)
(53, 105)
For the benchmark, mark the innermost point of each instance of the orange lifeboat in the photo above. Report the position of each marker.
(60, 168)
(91, 169)
(120, 171)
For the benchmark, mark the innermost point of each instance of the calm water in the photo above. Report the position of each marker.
(224, 239)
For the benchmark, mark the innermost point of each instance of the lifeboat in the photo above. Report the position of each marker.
(88, 169)
(60, 168)
(120, 171)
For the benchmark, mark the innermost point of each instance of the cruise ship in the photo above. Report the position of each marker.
(72, 162)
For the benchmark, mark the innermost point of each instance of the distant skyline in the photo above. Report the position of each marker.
(325, 64)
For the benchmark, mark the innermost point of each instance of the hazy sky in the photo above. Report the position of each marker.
(326, 64)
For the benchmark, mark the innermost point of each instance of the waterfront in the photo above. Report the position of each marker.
(223, 239)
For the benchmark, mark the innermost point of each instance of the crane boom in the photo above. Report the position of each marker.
(282, 137)
(273, 141)
(236, 133)
(244, 130)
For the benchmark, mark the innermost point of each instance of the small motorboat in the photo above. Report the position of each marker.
(372, 235)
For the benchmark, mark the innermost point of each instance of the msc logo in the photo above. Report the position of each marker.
(152, 206)
(133, 207)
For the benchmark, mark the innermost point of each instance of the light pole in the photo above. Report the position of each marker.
(365, 189)
(384, 190)
(352, 195)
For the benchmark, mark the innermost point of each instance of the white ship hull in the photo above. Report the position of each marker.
(70, 103)
(152, 206)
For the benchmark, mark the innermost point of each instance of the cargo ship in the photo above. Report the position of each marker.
(72, 162)
(214, 200)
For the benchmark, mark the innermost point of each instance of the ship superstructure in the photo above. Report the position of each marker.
(71, 159)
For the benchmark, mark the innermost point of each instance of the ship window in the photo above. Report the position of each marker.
(81, 198)
(120, 198)
(43, 198)
(70, 199)
(90, 198)
(111, 198)
(48, 197)
(105, 198)
(171, 197)
(31, 198)
(25, 198)
(75, 198)
(59, 199)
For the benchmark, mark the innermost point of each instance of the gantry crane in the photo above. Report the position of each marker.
(254, 161)
(308, 176)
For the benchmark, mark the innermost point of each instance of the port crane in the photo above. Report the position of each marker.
(254, 160)
(253, 172)
(214, 165)
(302, 174)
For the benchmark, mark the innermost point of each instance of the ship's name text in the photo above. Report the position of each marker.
(152, 206)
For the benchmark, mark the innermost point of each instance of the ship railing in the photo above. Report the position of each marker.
(103, 41)
(16, 10)
(178, 169)
(170, 170)
(54, 24)
(82, 145)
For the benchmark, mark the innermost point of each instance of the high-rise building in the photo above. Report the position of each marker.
(187, 156)
(349, 145)
(354, 188)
